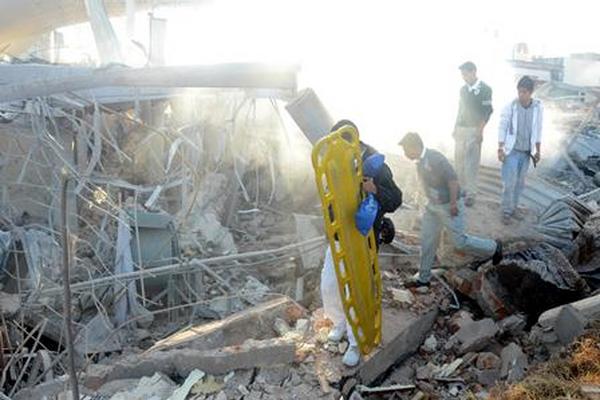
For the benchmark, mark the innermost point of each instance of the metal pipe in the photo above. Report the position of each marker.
(183, 267)
(67, 291)
(248, 76)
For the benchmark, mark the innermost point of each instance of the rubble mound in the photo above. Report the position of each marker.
(533, 280)
(571, 374)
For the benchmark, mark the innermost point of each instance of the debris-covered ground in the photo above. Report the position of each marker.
(161, 237)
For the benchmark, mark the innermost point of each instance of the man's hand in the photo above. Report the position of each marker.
(537, 157)
(501, 155)
(453, 209)
(368, 185)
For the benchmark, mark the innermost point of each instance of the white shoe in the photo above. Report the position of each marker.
(352, 357)
(337, 333)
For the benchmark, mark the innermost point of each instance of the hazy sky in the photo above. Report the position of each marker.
(389, 65)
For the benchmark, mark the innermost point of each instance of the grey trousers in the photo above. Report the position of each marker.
(436, 217)
(467, 157)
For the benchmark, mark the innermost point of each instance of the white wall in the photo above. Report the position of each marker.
(580, 72)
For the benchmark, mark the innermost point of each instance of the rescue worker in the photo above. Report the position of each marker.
(474, 112)
(389, 196)
(519, 142)
(444, 209)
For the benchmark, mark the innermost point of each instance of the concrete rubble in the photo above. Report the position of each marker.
(193, 260)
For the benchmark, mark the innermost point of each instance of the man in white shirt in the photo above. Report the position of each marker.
(519, 142)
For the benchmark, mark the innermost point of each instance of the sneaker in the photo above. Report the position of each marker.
(506, 219)
(337, 333)
(352, 357)
(470, 201)
(416, 284)
(498, 254)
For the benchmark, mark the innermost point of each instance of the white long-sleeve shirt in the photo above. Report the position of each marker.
(507, 129)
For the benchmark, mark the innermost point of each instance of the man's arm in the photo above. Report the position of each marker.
(538, 142)
(503, 127)
(388, 194)
(486, 108)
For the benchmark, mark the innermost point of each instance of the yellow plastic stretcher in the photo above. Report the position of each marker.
(338, 171)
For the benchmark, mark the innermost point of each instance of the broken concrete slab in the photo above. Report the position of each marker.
(98, 336)
(527, 281)
(44, 390)
(488, 361)
(402, 333)
(181, 362)
(430, 345)
(459, 319)
(591, 392)
(474, 336)
(9, 303)
(402, 296)
(156, 387)
(488, 377)
(514, 363)
(569, 324)
(513, 324)
(589, 308)
(255, 322)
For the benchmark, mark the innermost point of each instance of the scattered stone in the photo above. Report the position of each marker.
(447, 370)
(111, 388)
(425, 372)
(152, 388)
(488, 377)
(342, 347)
(418, 396)
(221, 396)
(592, 392)
(208, 385)
(474, 336)
(403, 296)
(302, 327)
(459, 319)
(454, 391)
(514, 363)
(488, 361)
(142, 334)
(422, 290)
(403, 375)
(9, 303)
(430, 345)
(281, 327)
(356, 396)
(569, 324)
(470, 358)
(514, 324)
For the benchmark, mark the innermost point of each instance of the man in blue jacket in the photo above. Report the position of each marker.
(389, 197)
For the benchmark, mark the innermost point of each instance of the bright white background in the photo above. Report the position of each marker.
(391, 66)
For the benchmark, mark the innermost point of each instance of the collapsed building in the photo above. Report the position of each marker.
(168, 218)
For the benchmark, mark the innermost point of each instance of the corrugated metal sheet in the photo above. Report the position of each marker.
(538, 194)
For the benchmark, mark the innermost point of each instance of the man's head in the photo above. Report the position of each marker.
(343, 122)
(525, 89)
(412, 145)
(469, 72)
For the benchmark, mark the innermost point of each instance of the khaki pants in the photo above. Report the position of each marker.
(467, 157)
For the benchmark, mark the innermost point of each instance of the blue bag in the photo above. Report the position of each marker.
(372, 164)
(366, 214)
